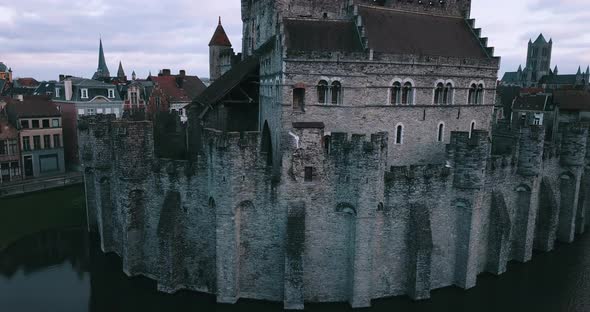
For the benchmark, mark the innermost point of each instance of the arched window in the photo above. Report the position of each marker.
(472, 128)
(479, 94)
(438, 94)
(336, 93)
(472, 94)
(323, 92)
(448, 94)
(399, 134)
(441, 132)
(407, 94)
(396, 92)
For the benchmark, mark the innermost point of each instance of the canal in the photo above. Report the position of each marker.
(48, 263)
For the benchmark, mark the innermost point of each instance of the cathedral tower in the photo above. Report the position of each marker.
(538, 60)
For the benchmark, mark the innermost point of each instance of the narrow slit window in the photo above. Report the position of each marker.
(399, 132)
(441, 131)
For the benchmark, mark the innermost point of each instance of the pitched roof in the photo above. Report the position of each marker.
(322, 35)
(510, 77)
(178, 88)
(27, 82)
(400, 32)
(558, 79)
(232, 78)
(535, 102)
(34, 106)
(576, 100)
(220, 37)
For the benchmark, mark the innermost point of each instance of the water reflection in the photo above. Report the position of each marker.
(63, 270)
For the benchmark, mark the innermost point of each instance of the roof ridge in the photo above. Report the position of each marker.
(409, 12)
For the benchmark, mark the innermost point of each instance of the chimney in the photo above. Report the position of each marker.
(182, 73)
(62, 77)
(165, 72)
(68, 89)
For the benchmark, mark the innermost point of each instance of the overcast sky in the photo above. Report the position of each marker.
(45, 38)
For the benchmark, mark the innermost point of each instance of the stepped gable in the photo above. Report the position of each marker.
(397, 32)
(322, 35)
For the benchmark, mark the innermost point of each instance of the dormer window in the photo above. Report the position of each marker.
(84, 93)
(111, 93)
(57, 92)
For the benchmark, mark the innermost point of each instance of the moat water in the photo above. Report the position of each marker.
(59, 268)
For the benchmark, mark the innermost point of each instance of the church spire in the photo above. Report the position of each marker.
(120, 72)
(102, 71)
(579, 70)
(555, 71)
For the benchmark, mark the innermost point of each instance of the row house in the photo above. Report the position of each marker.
(40, 134)
(10, 161)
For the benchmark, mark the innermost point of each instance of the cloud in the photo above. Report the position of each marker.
(45, 38)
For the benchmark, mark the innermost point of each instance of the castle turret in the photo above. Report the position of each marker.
(218, 45)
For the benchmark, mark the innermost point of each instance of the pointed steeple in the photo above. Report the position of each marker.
(519, 68)
(220, 37)
(579, 70)
(133, 75)
(588, 70)
(556, 71)
(120, 71)
(102, 71)
(540, 39)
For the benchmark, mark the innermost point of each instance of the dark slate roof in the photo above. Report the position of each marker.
(400, 32)
(537, 103)
(220, 37)
(3, 67)
(510, 77)
(232, 78)
(33, 106)
(558, 79)
(576, 100)
(322, 35)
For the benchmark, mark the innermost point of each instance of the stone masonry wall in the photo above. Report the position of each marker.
(339, 225)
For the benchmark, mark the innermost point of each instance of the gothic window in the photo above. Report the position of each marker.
(448, 94)
(322, 92)
(472, 94)
(299, 99)
(396, 91)
(336, 93)
(407, 98)
(399, 134)
(441, 132)
(479, 94)
(308, 174)
(438, 94)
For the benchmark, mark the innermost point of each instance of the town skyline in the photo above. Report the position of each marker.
(42, 42)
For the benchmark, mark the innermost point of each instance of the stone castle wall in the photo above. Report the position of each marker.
(339, 224)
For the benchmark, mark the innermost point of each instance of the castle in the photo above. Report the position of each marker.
(347, 157)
